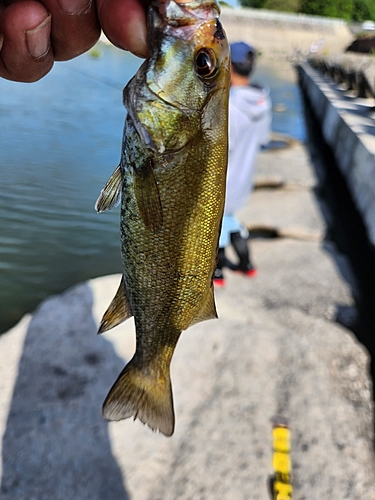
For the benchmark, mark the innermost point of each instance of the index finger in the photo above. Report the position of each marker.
(124, 23)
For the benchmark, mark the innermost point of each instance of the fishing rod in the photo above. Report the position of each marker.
(280, 483)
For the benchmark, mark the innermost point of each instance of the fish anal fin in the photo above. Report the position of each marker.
(139, 395)
(208, 309)
(148, 197)
(111, 193)
(118, 311)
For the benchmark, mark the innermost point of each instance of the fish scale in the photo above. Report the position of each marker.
(172, 182)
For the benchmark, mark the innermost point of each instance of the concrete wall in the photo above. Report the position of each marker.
(348, 127)
(277, 34)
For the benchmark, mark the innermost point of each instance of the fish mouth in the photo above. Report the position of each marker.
(175, 14)
(181, 20)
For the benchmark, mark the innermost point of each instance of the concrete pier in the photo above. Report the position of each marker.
(348, 127)
(276, 349)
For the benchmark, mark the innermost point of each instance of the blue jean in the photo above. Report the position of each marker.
(230, 225)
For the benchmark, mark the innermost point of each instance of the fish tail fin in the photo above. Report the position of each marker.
(140, 395)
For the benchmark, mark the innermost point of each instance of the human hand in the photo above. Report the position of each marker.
(35, 33)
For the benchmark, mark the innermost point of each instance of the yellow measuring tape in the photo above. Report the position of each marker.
(281, 485)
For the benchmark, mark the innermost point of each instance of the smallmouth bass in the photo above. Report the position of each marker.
(171, 180)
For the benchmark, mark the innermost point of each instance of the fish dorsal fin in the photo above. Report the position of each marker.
(208, 309)
(111, 193)
(148, 197)
(118, 311)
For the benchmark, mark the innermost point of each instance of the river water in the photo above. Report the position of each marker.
(60, 141)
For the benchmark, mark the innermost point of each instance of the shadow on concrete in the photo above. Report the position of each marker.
(56, 444)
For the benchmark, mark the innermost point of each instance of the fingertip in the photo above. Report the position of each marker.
(124, 23)
(75, 27)
(22, 16)
(25, 53)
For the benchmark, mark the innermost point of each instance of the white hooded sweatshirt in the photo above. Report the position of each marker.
(249, 128)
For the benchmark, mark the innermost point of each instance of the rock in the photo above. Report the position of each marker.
(365, 44)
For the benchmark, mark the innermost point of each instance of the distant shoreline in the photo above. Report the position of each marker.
(277, 34)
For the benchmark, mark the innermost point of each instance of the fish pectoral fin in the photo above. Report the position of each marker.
(118, 311)
(208, 309)
(137, 395)
(111, 193)
(148, 197)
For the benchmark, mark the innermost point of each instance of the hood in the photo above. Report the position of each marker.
(252, 100)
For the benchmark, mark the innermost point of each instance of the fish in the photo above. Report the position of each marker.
(171, 182)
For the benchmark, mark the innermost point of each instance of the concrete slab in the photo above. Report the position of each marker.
(274, 350)
(230, 376)
(289, 213)
(298, 274)
(289, 165)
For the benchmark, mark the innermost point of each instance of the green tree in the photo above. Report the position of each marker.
(313, 7)
(282, 5)
(364, 10)
(254, 4)
(339, 8)
(330, 8)
(356, 10)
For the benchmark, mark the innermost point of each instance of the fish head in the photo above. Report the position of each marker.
(189, 68)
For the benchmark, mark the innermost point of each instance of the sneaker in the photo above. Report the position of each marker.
(250, 273)
(218, 278)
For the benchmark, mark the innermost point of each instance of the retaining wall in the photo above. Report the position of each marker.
(277, 34)
(348, 127)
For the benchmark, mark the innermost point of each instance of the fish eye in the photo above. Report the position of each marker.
(205, 63)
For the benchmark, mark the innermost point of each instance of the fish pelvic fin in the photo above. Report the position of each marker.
(118, 311)
(208, 309)
(139, 395)
(111, 193)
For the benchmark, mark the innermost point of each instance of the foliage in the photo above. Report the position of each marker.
(329, 8)
(351, 10)
(283, 5)
(254, 4)
(364, 10)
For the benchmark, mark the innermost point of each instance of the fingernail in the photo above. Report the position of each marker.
(38, 39)
(139, 54)
(75, 7)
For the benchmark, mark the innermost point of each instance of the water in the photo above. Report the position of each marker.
(280, 76)
(60, 141)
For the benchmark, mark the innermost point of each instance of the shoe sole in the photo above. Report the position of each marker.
(219, 283)
(250, 274)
